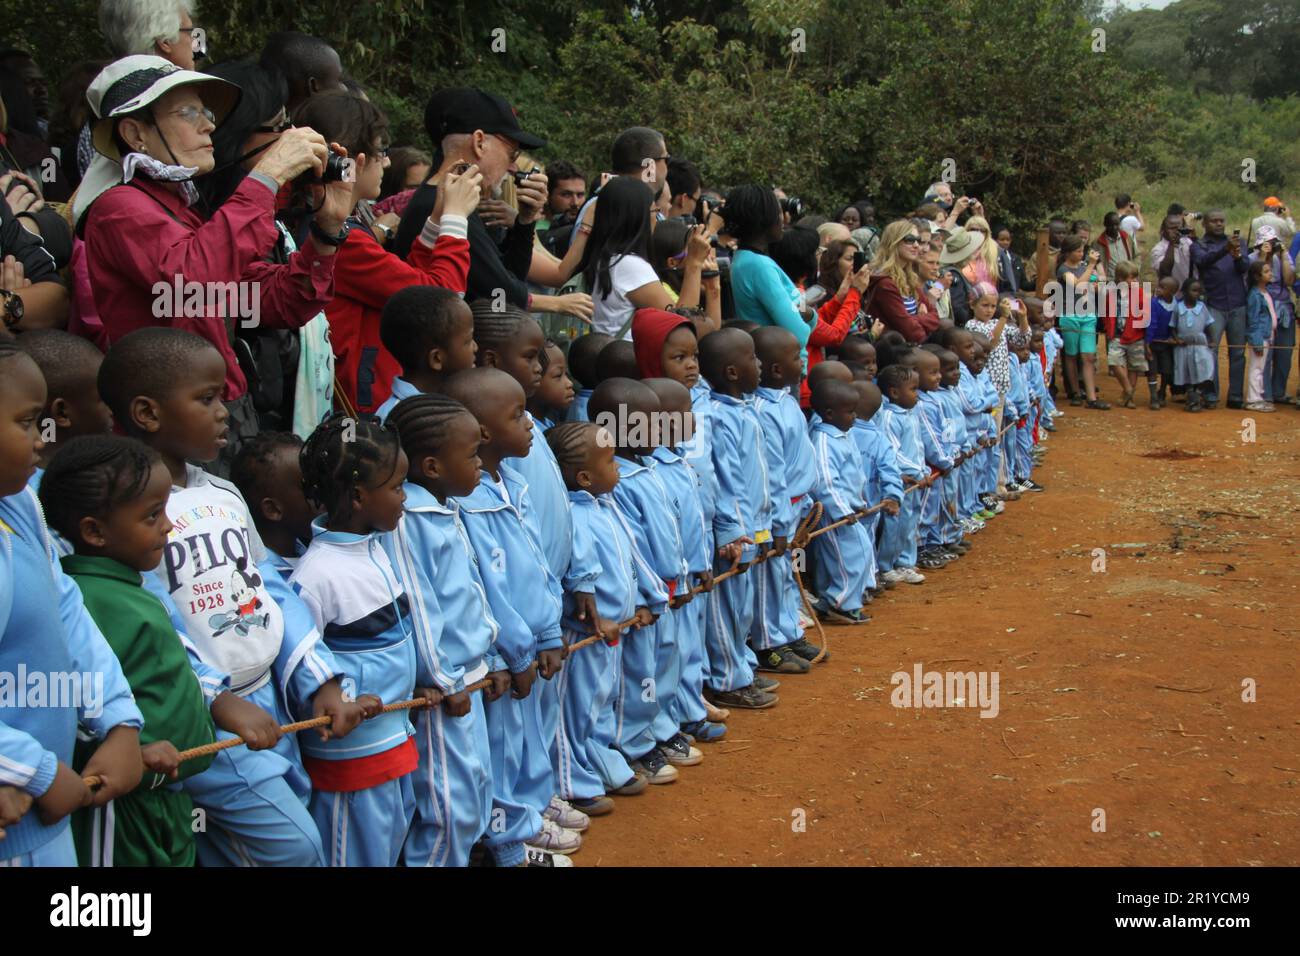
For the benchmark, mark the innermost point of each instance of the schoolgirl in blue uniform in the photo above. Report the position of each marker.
(362, 798)
(455, 631)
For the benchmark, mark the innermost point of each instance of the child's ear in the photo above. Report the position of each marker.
(59, 412)
(583, 478)
(145, 414)
(91, 531)
(427, 467)
(488, 358)
(271, 509)
(732, 373)
(435, 360)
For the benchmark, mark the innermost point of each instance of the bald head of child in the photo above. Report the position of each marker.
(617, 360)
(676, 421)
(70, 366)
(836, 402)
(497, 401)
(780, 357)
(829, 369)
(869, 399)
(728, 361)
(629, 410)
(164, 386)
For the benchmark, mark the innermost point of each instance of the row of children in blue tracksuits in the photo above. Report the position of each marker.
(455, 545)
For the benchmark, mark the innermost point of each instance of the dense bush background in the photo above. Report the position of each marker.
(832, 99)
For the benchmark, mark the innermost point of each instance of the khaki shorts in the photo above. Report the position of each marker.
(1132, 356)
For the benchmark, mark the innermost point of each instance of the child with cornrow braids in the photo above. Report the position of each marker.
(362, 798)
(455, 630)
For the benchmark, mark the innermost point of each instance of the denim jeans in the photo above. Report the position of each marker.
(1233, 323)
(1280, 359)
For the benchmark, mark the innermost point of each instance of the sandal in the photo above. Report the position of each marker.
(1098, 404)
(1076, 400)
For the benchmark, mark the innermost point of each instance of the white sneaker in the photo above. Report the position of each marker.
(910, 576)
(535, 857)
(1057, 413)
(998, 508)
(567, 816)
(893, 577)
(553, 838)
(805, 621)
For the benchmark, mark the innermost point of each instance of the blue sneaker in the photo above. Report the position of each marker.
(704, 731)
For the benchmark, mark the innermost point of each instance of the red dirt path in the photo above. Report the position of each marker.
(1199, 594)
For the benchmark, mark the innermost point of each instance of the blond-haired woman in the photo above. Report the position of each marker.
(897, 294)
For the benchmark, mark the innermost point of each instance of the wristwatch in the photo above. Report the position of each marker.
(13, 308)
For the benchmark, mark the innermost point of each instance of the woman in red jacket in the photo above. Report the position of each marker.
(897, 297)
(837, 312)
(365, 275)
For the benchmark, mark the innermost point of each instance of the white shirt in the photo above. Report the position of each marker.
(626, 274)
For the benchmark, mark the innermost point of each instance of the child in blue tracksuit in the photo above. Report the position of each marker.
(1016, 414)
(455, 631)
(431, 332)
(742, 520)
(589, 763)
(880, 465)
(970, 399)
(253, 644)
(686, 708)
(652, 659)
(511, 340)
(525, 598)
(1032, 378)
(940, 450)
(842, 572)
(792, 476)
(45, 628)
(362, 797)
(963, 448)
(667, 346)
(900, 423)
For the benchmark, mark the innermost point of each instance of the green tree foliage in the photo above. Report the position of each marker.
(832, 99)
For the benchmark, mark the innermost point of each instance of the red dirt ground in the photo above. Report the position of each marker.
(1120, 691)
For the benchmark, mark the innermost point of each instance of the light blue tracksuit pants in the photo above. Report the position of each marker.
(365, 827)
(514, 817)
(254, 802)
(730, 618)
(587, 760)
(899, 538)
(452, 785)
(844, 561)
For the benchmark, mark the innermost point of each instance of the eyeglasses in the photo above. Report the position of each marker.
(192, 115)
(514, 150)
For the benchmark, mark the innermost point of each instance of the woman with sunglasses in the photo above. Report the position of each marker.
(897, 293)
(149, 232)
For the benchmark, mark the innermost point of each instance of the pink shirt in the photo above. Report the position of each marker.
(142, 233)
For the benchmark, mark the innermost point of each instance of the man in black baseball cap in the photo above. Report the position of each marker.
(470, 127)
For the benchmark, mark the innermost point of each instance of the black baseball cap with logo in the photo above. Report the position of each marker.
(466, 109)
